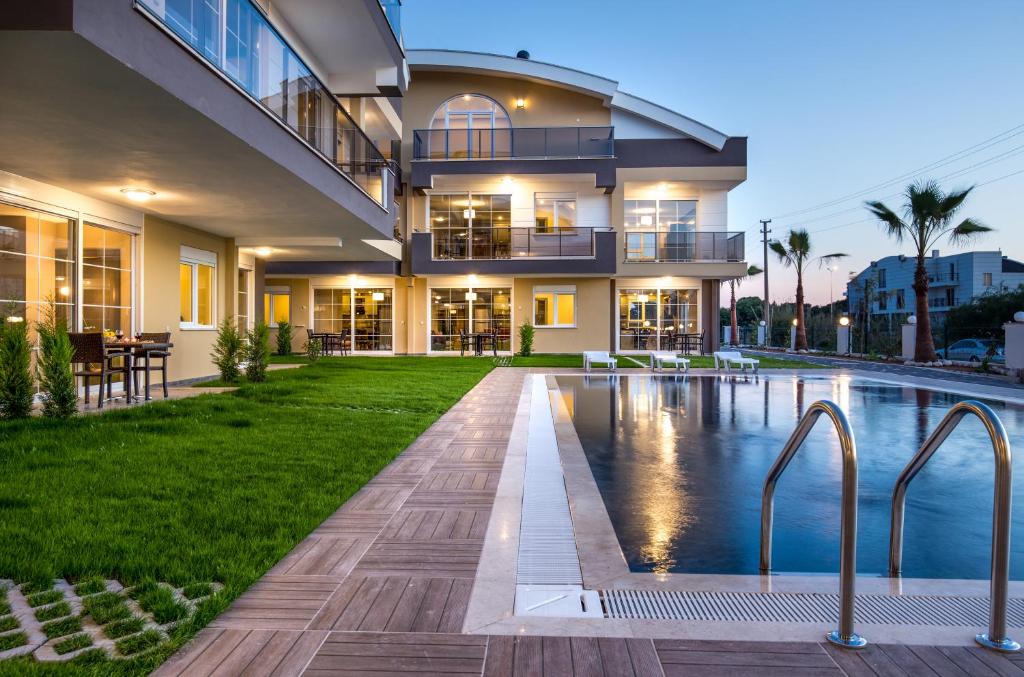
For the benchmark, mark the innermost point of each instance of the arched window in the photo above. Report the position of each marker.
(470, 126)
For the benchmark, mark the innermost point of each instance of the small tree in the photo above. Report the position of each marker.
(284, 338)
(257, 353)
(16, 385)
(314, 349)
(733, 323)
(526, 339)
(227, 350)
(53, 366)
(796, 254)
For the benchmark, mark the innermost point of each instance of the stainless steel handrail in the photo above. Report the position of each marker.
(844, 635)
(998, 593)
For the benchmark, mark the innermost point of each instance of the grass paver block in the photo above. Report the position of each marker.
(195, 590)
(161, 603)
(13, 641)
(90, 586)
(73, 643)
(8, 623)
(140, 642)
(106, 607)
(48, 597)
(127, 626)
(65, 626)
(36, 585)
(58, 610)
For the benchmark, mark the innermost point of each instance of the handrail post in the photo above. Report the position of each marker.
(843, 636)
(1001, 513)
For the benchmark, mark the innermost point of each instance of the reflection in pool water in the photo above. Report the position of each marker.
(680, 463)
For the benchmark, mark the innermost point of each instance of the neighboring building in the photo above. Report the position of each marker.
(952, 280)
(538, 193)
(167, 164)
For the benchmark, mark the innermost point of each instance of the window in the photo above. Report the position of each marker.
(662, 230)
(470, 126)
(471, 226)
(106, 279)
(901, 299)
(881, 278)
(362, 316)
(649, 319)
(470, 310)
(197, 272)
(242, 314)
(553, 214)
(883, 301)
(554, 306)
(277, 305)
(986, 279)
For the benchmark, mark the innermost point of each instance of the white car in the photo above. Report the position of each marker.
(974, 350)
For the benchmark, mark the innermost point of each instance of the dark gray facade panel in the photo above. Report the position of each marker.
(423, 171)
(333, 267)
(679, 153)
(603, 263)
(36, 15)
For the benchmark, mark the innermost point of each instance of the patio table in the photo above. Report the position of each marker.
(129, 349)
(478, 341)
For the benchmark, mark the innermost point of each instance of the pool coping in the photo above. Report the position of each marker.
(492, 604)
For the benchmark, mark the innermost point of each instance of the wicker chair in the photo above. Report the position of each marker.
(143, 361)
(97, 362)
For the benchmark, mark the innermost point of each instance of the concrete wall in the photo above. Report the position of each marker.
(594, 316)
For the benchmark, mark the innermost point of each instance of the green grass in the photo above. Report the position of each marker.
(217, 487)
(575, 360)
(118, 629)
(195, 590)
(54, 611)
(8, 623)
(136, 643)
(90, 586)
(66, 626)
(5, 606)
(13, 641)
(73, 643)
(160, 602)
(41, 598)
(106, 607)
(38, 584)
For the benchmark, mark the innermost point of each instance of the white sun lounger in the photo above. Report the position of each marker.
(592, 357)
(731, 358)
(660, 359)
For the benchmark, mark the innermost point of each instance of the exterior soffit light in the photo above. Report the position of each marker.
(137, 194)
(378, 296)
(264, 252)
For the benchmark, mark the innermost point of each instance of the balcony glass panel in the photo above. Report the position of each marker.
(468, 136)
(254, 56)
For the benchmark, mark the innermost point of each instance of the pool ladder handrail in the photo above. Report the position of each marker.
(844, 636)
(1001, 512)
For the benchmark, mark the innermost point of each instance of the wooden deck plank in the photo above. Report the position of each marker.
(586, 657)
(384, 604)
(556, 656)
(967, 662)
(428, 618)
(937, 661)
(997, 662)
(849, 661)
(644, 658)
(906, 660)
(500, 656)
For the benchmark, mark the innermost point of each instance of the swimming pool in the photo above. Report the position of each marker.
(679, 463)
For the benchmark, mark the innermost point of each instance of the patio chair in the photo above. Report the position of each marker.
(660, 358)
(730, 358)
(592, 357)
(463, 343)
(143, 361)
(97, 362)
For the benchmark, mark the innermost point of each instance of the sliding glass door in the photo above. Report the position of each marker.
(363, 315)
(650, 319)
(470, 310)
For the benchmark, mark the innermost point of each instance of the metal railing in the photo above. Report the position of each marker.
(513, 142)
(512, 243)
(844, 635)
(650, 246)
(1001, 503)
(943, 278)
(253, 55)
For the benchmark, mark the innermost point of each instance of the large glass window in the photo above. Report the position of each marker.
(470, 126)
(471, 310)
(651, 319)
(660, 230)
(471, 226)
(106, 279)
(37, 263)
(197, 282)
(363, 315)
(332, 310)
(553, 214)
(554, 306)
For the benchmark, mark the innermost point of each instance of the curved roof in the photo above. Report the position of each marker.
(566, 78)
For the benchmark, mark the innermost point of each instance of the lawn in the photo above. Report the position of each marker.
(213, 488)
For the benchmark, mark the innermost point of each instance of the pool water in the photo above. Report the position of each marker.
(680, 463)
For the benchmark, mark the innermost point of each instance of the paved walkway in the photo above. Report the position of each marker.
(382, 586)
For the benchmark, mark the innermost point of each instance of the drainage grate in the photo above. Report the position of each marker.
(780, 607)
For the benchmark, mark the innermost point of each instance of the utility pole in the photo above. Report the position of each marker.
(765, 230)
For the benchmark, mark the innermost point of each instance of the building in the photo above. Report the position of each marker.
(952, 280)
(168, 164)
(533, 192)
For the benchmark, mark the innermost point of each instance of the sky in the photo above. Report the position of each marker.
(836, 99)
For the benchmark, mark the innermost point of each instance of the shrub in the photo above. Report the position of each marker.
(227, 350)
(314, 349)
(526, 339)
(53, 367)
(284, 338)
(257, 353)
(16, 386)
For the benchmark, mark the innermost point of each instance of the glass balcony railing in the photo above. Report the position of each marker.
(237, 39)
(514, 142)
(682, 247)
(511, 243)
(393, 11)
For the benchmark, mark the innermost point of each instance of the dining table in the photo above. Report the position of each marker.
(478, 341)
(131, 349)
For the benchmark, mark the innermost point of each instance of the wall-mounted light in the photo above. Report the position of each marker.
(520, 104)
(137, 194)
(844, 321)
(377, 296)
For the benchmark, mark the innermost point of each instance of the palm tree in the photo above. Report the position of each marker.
(796, 253)
(751, 272)
(928, 217)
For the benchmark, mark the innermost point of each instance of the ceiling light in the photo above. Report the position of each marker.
(646, 220)
(471, 296)
(137, 194)
(264, 252)
(64, 291)
(378, 296)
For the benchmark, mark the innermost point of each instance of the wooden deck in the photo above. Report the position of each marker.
(381, 588)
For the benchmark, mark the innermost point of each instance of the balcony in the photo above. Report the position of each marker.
(523, 143)
(683, 247)
(943, 279)
(241, 44)
(521, 250)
